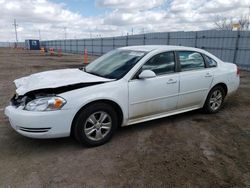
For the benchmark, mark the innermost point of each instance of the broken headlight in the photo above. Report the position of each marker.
(45, 104)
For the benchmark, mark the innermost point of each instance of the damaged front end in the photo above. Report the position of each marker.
(38, 102)
(18, 101)
(53, 101)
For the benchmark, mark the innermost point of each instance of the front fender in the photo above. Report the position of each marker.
(116, 92)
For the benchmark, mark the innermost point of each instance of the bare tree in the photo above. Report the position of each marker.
(244, 23)
(224, 23)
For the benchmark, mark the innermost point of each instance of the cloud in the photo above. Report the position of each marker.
(48, 17)
(133, 18)
(129, 5)
(173, 15)
(119, 18)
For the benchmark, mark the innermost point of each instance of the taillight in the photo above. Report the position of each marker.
(238, 71)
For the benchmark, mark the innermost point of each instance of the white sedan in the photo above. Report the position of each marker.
(123, 87)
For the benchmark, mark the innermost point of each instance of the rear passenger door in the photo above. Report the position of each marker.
(195, 79)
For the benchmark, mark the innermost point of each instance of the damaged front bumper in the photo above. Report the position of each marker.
(47, 124)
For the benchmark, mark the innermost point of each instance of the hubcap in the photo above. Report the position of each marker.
(97, 125)
(215, 100)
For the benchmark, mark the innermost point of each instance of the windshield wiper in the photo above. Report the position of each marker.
(94, 74)
(84, 69)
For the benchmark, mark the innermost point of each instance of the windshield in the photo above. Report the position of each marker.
(115, 64)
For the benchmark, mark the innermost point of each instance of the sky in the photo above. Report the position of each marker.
(107, 18)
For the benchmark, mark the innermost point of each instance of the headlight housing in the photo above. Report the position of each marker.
(45, 104)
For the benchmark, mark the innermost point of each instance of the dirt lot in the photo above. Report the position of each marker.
(187, 150)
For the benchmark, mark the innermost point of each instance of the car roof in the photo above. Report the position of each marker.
(148, 48)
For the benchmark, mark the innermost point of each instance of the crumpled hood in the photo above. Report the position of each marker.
(54, 79)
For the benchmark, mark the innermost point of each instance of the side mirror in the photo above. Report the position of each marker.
(147, 74)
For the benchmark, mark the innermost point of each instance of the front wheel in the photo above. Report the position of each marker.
(214, 100)
(96, 124)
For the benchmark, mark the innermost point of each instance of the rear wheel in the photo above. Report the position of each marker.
(96, 124)
(214, 100)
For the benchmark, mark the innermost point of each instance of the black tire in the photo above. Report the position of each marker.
(208, 103)
(80, 124)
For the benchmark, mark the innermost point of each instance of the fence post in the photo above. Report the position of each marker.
(236, 46)
(101, 46)
(65, 49)
(70, 46)
(168, 39)
(76, 46)
(195, 42)
(113, 42)
(127, 40)
(84, 46)
(92, 46)
(144, 39)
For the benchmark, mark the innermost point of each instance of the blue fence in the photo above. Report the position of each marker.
(231, 46)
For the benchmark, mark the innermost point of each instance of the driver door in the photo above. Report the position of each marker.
(155, 95)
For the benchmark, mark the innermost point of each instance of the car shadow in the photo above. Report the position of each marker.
(71, 144)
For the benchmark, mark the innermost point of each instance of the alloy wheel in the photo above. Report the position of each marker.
(97, 125)
(215, 100)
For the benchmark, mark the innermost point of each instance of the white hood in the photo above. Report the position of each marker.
(54, 79)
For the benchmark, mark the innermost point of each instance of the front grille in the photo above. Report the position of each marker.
(34, 130)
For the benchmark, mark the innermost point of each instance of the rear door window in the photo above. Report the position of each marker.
(190, 60)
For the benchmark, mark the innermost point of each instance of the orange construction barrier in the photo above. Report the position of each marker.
(51, 50)
(85, 58)
(59, 53)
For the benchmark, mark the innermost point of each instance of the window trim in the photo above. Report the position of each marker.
(138, 71)
(179, 63)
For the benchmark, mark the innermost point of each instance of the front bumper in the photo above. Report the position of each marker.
(49, 124)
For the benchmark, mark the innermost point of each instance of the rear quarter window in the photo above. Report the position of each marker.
(210, 61)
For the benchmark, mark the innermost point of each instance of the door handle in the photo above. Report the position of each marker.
(208, 75)
(171, 81)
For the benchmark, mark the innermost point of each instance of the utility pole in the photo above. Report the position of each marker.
(143, 30)
(132, 31)
(15, 25)
(249, 17)
(65, 32)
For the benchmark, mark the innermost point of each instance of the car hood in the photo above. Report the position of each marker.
(55, 79)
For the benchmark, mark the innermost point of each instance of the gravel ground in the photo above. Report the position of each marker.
(188, 150)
